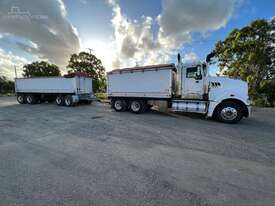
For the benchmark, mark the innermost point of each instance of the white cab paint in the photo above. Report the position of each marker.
(192, 88)
(228, 89)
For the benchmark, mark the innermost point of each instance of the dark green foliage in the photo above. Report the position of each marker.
(267, 89)
(89, 63)
(6, 86)
(249, 53)
(41, 69)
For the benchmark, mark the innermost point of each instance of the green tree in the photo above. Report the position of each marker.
(89, 63)
(267, 89)
(249, 53)
(41, 69)
(6, 86)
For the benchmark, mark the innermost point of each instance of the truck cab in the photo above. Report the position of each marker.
(224, 98)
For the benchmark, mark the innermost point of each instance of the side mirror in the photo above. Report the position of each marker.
(209, 57)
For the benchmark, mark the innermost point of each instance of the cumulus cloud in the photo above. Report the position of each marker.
(7, 63)
(43, 24)
(190, 57)
(181, 17)
(136, 41)
(47, 33)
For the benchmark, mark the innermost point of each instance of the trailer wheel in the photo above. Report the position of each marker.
(59, 100)
(68, 100)
(30, 99)
(229, 112)
(137, 106)
(119, 105)
(21, 99)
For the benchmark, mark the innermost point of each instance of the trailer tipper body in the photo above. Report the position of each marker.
(63, 90)
(185, 88)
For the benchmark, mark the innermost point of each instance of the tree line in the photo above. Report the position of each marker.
(247, 53)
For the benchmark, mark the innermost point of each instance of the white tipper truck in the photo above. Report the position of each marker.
(67, 90)
(182, 87)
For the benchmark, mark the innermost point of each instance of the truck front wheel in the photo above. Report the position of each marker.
(137, 106)
(119, 105)
(229, 112)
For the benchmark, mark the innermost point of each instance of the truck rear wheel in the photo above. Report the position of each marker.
(229, 112)
(120, 105)
(31, 99)
(137, 106)
(21, 99)
(68, 100)
(59, 100)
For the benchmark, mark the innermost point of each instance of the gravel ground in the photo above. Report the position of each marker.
(91, 155)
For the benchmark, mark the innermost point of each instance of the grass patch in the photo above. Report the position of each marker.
(101, 96)
(7, 94)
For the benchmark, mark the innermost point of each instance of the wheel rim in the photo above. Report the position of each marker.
(58, 100)
(68, 101)
(20, 99)
(29, 99)
(118, 105)
(229, 113)
(135, 106)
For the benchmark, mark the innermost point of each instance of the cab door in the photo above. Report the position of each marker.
(193, 83)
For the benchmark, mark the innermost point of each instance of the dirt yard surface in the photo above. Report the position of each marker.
(91, 155)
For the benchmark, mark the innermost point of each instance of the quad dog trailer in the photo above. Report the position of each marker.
(68, 90)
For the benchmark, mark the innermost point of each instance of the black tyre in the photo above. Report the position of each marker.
(31, 99)
(137, 106)
(21, 99)
(149, 107)
(88, 101)
(146, 107)
(120, 105)
(59, 100)
(229, 112)
(68, 101)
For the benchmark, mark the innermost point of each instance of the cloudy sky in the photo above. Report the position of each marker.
(120, 32)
